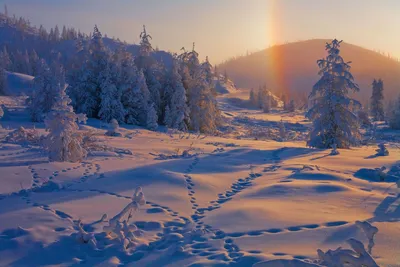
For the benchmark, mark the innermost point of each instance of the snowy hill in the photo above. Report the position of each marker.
(293, 67)
(18, 83)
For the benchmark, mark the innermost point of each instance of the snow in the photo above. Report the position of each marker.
(226, 200)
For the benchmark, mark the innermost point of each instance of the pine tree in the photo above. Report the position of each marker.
(253, 98)
(3, 81)
(34, 61)
(176, 111)
(291, 107)
(110, 106)
(282, 131)
(152, 118)
(47, 84)
(85, 84)
(64, 143)
(56, 36)
(333, 120)
(136, 100)
(377, 109)
(394, 120)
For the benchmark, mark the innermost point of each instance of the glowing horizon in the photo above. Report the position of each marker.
(225, 28)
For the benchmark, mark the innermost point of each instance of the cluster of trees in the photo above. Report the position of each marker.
(377, 107)
(335, 123)
(262, 99)
(26, 63)
(111, 85)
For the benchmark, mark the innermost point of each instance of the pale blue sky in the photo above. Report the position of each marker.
(225, 28)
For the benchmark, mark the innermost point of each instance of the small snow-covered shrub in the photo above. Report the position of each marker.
(24, 136)
(282, 131)
(334, 150)
(382, 150)
(358, 257)
(370, 231)
(126, 234)
(85, 237)
(113, 130)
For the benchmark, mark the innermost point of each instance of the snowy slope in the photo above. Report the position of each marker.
(18, 83)
(224, 87)
(231, 201)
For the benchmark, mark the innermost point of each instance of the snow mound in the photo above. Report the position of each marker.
(224, 87)
(18, 83)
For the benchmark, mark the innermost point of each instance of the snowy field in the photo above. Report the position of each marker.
(232, 200)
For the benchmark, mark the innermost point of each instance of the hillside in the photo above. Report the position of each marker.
(293, 67)
(18, 83)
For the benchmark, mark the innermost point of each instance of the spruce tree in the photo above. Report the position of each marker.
(176, 110)
(394, 120)
(334, 123)
(47, 84)
(377, 109)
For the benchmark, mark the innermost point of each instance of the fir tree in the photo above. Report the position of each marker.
(110, 106)
(176, 111)
(152, 119)
(394, 120)
(63, 142)
(377, 109)
(333, 120)
(253, 98)
(47, 85)
(86, 87)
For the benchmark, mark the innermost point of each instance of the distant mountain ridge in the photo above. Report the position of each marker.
(292, 68)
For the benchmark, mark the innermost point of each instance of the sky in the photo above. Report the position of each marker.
(224, 28)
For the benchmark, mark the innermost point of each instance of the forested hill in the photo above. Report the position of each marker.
(293, 67)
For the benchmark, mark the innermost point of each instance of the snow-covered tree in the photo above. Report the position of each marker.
(113, 128)
(291, 107)
(176, 111)
(394, 116)
(34, 60)
(331, 113)
(382, 150)
(253, 98)
(85, 84)
(63, 142)
(3, 81)
(377, 109)
(282, 130)
(204, 112)
(111, 107)
(47, 84)
(150, 69)
(152, 118)
(136, 97)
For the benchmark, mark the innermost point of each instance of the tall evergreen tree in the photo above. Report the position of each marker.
(110, 105)
(176, 110)
(47, 85)
(394, 116)
(86, 89)
(333, 121)
(377, 109)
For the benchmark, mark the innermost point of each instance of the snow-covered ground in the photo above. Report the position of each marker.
(233, 200)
